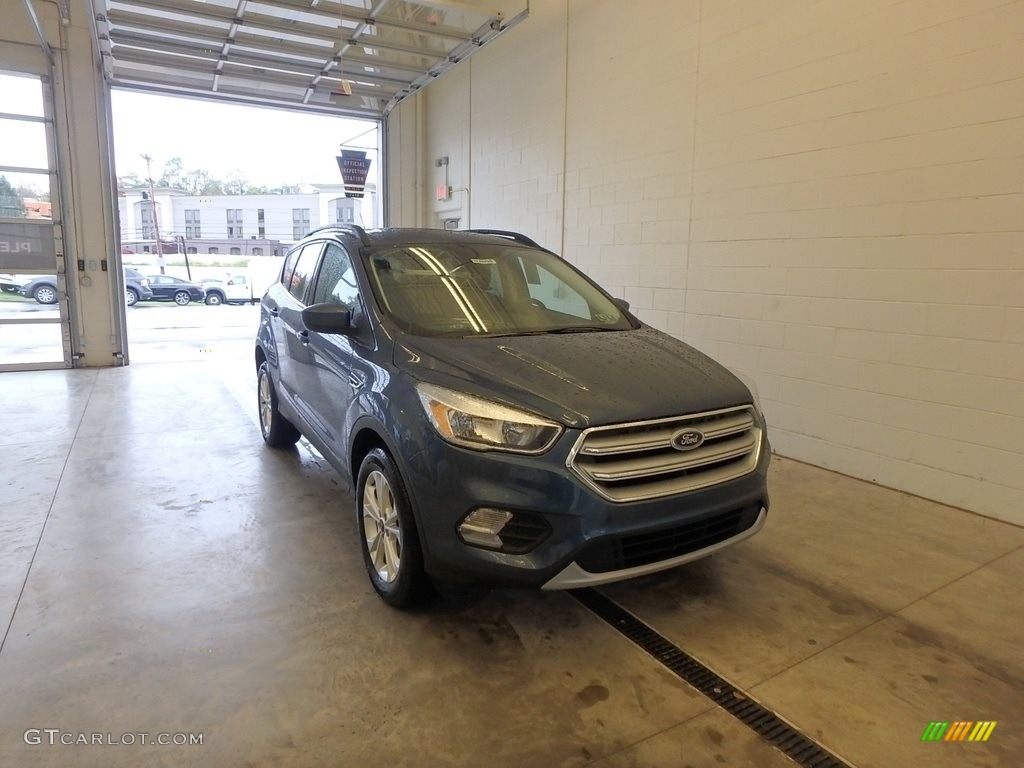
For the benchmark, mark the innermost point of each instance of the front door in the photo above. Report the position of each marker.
(342, 363)
(294, 357)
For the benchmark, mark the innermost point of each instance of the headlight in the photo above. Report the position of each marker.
(482, 425)
(749, 382)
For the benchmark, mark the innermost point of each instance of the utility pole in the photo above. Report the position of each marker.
(152, 207)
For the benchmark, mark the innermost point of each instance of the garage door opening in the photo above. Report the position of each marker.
(211, 196)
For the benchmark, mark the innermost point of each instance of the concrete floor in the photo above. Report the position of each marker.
(162, 571)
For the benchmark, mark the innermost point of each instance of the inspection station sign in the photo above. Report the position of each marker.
(354, 168)
(27, 244)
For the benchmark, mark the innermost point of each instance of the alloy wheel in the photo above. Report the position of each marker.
(266, 405)
(181, 298)
(46, 295)
(381, 527)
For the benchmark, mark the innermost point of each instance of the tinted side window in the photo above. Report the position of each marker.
(304, 270)
(336, 283)
(289, 267)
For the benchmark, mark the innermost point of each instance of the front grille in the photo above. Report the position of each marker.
(634, 462)
(615, 553)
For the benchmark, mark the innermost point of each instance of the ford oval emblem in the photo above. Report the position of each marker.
(687, 439)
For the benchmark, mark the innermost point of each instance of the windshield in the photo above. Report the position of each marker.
(460, 289)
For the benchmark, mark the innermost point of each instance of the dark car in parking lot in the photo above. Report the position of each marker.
(500, 417)
(181, 292)
(44, 288)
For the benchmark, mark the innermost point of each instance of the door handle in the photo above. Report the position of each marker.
(304, 337)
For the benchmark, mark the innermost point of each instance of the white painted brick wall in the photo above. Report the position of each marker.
(829, 196)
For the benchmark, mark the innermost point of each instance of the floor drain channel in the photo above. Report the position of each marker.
(758, 718)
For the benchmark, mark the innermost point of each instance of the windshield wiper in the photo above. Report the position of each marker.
(581, 329)
(567, 329)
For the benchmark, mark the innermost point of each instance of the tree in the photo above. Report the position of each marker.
(129, 180)
(173, 174)
(12, 204)
(213, 187)
(236, 185)
(195, 181)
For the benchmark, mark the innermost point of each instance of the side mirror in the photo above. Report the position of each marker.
(622, 304)
(328, 318)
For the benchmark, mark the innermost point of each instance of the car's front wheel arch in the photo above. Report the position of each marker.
(369, 433)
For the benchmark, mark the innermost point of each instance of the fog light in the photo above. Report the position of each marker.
(482, 526)
(511, 532)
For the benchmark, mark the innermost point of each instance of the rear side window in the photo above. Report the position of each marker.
(304, 268)
(289, 266)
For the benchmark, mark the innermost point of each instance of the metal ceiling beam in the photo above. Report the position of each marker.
(193, 10)
(189, 62)
(485, 34)
(377, 7)
(148, 21)
(253, 40)
(454, 5)
(201, 51)
(255, 20)
(137, 30)
(330, 10)
(376, 42)
(130, 82)
(239, 10)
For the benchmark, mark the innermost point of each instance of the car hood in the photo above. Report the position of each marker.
(579, 379)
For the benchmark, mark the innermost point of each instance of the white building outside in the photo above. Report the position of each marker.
(251, 225)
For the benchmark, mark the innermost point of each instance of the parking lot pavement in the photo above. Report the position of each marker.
(167, 332)
(157, 332)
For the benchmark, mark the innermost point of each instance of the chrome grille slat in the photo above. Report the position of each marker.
(600, 445)
(637, 461)
(709, 453)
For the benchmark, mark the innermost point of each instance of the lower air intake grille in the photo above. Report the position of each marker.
(618, 552)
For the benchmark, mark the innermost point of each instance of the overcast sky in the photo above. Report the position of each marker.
(267, 146)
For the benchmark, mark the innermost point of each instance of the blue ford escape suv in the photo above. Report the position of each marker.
(501, 418)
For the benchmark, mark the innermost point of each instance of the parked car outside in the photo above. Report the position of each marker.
(13, 283)
(500, 417)
(43, 288)
(234, 289)
(181, 292)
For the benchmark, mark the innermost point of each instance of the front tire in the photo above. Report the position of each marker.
(45, 294)
(277, 431)
(182, 298)
(214, 299)
(131, 297)
(387, 533)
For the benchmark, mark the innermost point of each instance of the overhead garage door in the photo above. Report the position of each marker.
(34, 328)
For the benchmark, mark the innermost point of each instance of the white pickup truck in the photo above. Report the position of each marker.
(244, 286)
(236, 289)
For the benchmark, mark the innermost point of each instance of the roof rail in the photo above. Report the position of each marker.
(519, 238)
(355, 229)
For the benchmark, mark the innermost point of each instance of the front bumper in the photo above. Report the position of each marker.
(574, 576)
(448, 482)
